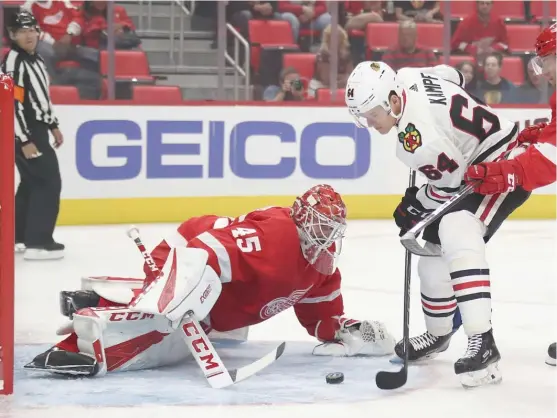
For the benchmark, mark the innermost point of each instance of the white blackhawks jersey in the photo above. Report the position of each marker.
(443, 130)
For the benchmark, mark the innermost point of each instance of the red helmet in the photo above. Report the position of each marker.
(320, 216)
(546, 41)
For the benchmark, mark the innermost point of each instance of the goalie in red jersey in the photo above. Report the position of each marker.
(266, 261)
(536, 167)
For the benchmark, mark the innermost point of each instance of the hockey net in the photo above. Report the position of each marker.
(6, 234)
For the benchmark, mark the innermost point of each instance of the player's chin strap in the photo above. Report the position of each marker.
(192, 333)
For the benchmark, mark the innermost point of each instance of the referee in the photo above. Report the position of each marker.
(37, 201)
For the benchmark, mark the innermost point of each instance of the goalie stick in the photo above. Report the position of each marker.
(410, 239)
(393, 380)
(201, 348)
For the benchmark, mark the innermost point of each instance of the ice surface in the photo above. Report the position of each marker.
(523, 262)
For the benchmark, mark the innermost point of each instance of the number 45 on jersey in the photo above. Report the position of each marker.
(246, 239)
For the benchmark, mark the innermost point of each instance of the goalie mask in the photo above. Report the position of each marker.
(320, 217)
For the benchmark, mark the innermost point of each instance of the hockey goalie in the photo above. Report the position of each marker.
(230, 273)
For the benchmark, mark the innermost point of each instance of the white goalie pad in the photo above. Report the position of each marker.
(122, 339)
(186, 284)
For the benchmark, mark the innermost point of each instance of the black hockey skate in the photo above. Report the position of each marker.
(551, 355)
(424, 347)
(480, 364)
(71, 302)
(64, 362)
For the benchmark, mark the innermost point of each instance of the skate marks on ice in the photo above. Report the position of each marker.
(297, 377)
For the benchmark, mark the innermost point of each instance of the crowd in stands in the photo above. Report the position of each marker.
(491, 42)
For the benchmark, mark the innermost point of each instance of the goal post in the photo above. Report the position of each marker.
(7, 180)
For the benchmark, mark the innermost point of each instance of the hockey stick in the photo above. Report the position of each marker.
(393, 380)
(197, 341)
(410, 239)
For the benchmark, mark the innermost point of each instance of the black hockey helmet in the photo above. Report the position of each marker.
(21, 20)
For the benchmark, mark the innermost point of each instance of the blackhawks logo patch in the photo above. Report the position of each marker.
(411, 138)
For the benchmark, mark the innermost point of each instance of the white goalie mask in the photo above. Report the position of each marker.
(368, 88)
(320, 217)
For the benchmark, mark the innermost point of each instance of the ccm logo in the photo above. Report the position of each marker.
(205, 294)
(201, 348)
(130, 316)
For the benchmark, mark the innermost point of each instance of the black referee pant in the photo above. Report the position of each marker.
(37, 200)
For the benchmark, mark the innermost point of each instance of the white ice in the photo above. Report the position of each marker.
(523, 262)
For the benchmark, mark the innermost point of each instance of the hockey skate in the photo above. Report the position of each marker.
(56, 360)
(423, 347)
(551, 355)
(480, 364)
(71, 302)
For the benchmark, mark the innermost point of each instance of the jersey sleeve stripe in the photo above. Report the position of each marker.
(319, 299)
(548, 151)
(222, 255)
(495, 150)
(175, 239)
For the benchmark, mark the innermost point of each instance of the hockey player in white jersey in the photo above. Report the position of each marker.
(441, 131)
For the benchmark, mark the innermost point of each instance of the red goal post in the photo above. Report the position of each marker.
(7, 161)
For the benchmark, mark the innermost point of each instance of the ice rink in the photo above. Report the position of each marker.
(523, 259)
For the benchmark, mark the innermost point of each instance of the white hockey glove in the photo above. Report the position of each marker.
(365, 338)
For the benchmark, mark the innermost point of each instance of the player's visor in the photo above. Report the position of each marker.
(371, 118)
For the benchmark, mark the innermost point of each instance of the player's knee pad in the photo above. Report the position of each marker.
(122, 339)
(461, 235)
(438, 300)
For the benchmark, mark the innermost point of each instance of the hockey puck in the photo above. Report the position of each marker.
(334, 378)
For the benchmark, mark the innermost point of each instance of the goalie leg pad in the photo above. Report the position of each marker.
(462, 239)
(438, 299)
(122, 339)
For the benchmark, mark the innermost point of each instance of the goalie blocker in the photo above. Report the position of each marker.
(228, 274)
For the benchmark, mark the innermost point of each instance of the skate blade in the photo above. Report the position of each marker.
(550, 360)
(65, 371)
(33, 254)
(397, 360)
(489, 376)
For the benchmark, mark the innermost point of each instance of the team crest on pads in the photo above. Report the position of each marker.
(411, 138)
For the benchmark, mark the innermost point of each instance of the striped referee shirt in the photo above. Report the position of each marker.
(32, 98)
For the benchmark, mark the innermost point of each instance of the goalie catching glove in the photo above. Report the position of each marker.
(368, 338)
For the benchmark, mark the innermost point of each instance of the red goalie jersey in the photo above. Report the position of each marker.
(263, 271)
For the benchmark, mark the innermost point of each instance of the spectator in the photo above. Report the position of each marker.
(67, 63)
(305, 14)
(96, 25)
(419, 11)
(481, 33)
(291, 88)
(532, 89)
(494, 89)
(61, 25)
(468, 70)
(323, 65)
(407, 53)
(361, 13)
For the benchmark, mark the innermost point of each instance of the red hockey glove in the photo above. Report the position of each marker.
(531, 133)
(500, 177)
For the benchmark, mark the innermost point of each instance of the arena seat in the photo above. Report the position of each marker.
(513, 70)
(459, 9)
(128, 65)
(509, 10)
(64, 94)
(536, 9)
(381, 36)
(304, 63)
(324, 95)
(454, 60)
(430, 35)
(522, 38)
(157, 95)
(275, 34)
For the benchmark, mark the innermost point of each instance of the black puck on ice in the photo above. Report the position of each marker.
(334, 378)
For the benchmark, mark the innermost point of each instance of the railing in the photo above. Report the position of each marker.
(234, 62)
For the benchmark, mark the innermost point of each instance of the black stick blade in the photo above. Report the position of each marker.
(391, 380)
